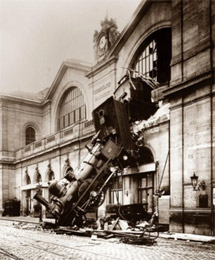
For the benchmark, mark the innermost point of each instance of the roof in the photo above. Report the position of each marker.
(42, 95)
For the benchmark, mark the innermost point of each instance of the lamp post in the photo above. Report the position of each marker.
(194, 181)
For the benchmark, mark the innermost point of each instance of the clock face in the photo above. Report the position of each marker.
(102, 42)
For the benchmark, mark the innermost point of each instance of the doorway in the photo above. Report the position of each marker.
(146, 191)
(27, 209)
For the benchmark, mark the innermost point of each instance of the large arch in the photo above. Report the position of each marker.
(153, 57)
(72, 108)
(66, 89)
(141, 40)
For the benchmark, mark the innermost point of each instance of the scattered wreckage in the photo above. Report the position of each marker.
(114, 147)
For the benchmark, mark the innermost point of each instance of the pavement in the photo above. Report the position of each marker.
(167, 235)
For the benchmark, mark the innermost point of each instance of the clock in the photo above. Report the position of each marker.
(102, 42)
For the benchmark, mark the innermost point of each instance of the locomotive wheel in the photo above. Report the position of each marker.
(97, 199)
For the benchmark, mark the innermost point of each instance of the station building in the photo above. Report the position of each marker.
(167, 42)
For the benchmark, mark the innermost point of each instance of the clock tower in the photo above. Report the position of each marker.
(105, 38)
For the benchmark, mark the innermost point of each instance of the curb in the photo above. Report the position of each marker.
(174, 236)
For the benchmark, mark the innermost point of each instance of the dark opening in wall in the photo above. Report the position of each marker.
(154, 56)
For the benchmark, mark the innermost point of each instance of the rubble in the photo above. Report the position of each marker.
(29, 226)
(161, 114)
(111, 228)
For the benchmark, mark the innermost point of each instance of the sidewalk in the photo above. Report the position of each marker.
(167, 235)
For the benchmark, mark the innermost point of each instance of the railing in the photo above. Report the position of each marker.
(74, 132)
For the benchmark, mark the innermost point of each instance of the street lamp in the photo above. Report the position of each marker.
(194, 181)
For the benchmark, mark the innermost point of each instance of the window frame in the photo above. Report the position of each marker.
(116, 191)
(30, 138)
(163, 40)
(74, 99)
(148, 188)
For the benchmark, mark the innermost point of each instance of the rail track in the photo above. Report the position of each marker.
(29, 244)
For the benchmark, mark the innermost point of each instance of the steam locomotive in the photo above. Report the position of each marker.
(114, 147)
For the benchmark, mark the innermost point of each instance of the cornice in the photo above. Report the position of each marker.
(53, 148)
(5, 97)
(74, 64)
(200, 79)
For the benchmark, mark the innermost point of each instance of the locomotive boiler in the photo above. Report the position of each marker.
(114, 147)
(76, 193)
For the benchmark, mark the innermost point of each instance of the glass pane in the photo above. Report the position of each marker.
(61, 123)
(66, 120)
(83, 115)
(72, 117)
(143, 196)
(117, 198)
(77, 116)
(72, 105)
(150, 200)
(145, 64)
(147, 51)
(29, 135)
(149, 180)
(120, 197)
(142, 183)
(151, 62)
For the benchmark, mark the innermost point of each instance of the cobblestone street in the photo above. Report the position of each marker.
(21, 243)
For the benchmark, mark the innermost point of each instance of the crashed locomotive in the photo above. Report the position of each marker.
(114, 147)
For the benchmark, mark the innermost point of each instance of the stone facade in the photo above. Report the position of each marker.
(52, 150)
(181, 140)
(191, 94)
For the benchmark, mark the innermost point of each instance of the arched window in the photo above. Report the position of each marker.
(51, 175)
(146, 63)
(28, 179)
(38, 178)
(29, 135)
(73, 108)
(154, 56)
(146, 155)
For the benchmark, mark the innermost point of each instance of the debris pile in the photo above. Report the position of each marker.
(27, 226)
(161, 114)
(143, 232)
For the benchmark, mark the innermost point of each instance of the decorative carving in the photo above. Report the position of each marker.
(49, 166)
(67, 167)
(67, 162)
(105, 38)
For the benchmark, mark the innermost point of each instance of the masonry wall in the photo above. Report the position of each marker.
(156, 138)
(149, 23)
(71, 78)
(16, 115)
(191, 94)
(57, 160)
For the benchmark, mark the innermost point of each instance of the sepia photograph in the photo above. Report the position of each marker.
(107, 129)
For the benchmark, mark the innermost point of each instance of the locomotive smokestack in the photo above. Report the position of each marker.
(43, 201)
